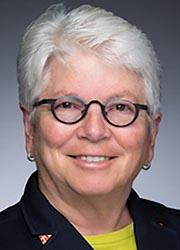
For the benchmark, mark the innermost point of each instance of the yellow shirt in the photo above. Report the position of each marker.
(123, 239)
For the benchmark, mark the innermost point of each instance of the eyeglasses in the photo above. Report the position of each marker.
(71, 109)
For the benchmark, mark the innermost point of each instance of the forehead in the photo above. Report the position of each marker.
(87, 75)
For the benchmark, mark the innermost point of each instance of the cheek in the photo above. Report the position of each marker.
(52, 134)
(134, 139)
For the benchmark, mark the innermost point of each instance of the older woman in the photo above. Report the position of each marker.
(90, 97)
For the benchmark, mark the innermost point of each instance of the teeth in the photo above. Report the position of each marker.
(94, 158)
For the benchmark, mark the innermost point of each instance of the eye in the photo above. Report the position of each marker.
(121, 107)
(65, 105)
(68, 105)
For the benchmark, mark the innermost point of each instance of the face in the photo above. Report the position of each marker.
(90, 157)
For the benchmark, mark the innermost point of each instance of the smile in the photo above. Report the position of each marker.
(90, 158)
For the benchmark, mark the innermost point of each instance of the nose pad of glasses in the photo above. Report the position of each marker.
(102, 108)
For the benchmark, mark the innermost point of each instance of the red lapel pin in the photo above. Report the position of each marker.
(44, 238)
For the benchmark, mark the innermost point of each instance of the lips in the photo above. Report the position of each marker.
(91, 158)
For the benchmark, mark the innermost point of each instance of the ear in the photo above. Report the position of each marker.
(153, 135)
(28, 130)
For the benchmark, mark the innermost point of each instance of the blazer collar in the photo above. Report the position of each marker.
(44, 219)
(40, 216)
(153, 230)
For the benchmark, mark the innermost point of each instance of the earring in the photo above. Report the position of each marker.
(146, 166)
(30, 157)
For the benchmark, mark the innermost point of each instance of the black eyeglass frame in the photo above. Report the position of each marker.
(52, 102)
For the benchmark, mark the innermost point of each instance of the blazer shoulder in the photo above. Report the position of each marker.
(10, 215)
(157, 209)
(157, 205)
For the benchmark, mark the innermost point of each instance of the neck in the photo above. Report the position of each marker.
(90, 215)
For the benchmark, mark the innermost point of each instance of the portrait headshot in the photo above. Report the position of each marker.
(90, 134)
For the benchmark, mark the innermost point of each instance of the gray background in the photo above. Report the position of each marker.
(161, 21)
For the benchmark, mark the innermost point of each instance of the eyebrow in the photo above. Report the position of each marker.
(123, 95)
(65, 93)
(126, 94)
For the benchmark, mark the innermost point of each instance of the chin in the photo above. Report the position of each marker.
(94, 188)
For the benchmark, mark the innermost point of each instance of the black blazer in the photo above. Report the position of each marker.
(156, 226)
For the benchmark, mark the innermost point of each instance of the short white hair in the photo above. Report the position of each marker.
(116, 40)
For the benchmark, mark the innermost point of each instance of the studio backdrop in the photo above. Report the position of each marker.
(160, 20)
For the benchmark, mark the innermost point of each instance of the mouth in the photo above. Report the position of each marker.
(93, 159)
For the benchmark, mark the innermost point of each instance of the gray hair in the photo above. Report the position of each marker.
(112, 37)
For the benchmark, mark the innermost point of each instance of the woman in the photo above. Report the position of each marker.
(90, 97)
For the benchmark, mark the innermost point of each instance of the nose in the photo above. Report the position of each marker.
(94, 127)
